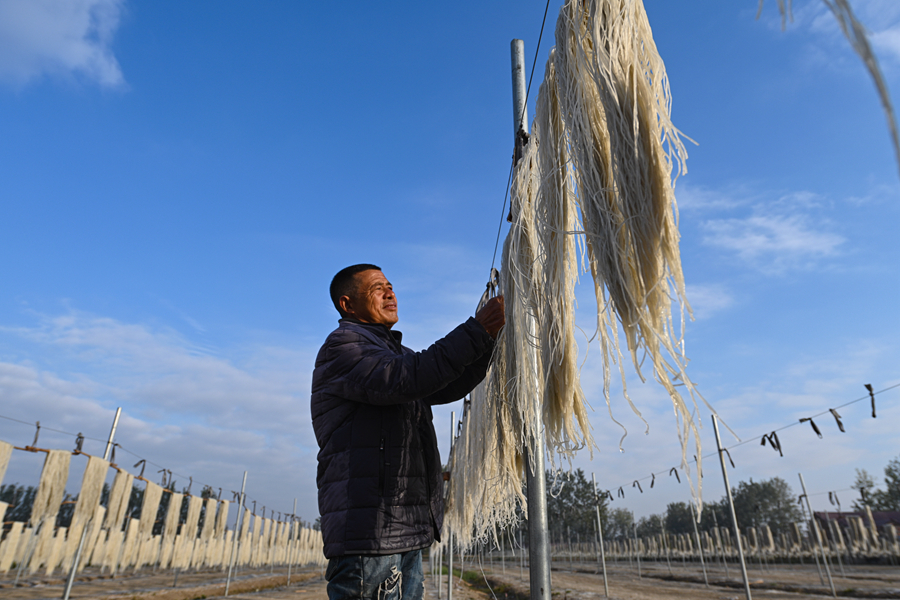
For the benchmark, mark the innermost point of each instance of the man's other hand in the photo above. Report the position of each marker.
(492, 316)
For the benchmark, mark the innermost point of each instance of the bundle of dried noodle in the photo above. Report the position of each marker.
(598, 169)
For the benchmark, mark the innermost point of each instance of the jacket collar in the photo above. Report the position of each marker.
(377, 328)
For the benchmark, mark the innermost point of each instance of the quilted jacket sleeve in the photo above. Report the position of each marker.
(362, 368)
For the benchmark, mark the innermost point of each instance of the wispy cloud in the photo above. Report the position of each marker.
(773, 243)
(204, 412)
(706, 300)
(59, 38)
(771, 233)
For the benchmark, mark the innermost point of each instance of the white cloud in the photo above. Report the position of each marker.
(59, 38)
(773, 242)
(887, 42)
(206, 413)
(707, 300)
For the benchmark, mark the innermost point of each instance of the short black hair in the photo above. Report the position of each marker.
(344, 283)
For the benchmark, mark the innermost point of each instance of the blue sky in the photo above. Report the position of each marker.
(181, 180)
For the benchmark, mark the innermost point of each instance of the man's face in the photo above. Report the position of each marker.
(374, 300)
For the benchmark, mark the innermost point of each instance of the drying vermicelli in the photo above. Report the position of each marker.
(51, 488)
(595, 176)
(5, 452)
(86, 506)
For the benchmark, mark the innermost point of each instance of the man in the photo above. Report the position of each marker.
(379, 475)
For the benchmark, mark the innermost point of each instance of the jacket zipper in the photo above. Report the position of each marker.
(381, 467)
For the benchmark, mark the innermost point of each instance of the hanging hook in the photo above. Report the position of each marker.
(79, 442)
(163, 471)
(621, 492)
(638, 484)
(674, 471)
(868, 387)
(653, 480)
(112, 453)
(725, 450)
(37, 432)
(219, 497)
(837, 417)
(143, 464)
(190, 483)
(813, 423)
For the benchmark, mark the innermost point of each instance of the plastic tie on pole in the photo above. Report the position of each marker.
(837, 418)
(621, 492)
(638, 484)
(868, 387)
(653, 480)
(674, 471)
(813, 423)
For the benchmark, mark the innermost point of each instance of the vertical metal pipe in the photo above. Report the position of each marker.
(665, 538)
(71, 578)
(437, 575)
(699, 545)
(737, 531)
(812, 525)
(449, 531)
(538, 535)
(600, 535)
(520, 110)
(292, 544)
(637, 548)
(237, 529)
(721, 544)
(112, 433)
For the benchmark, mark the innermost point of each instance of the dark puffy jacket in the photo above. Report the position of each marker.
(379, 476)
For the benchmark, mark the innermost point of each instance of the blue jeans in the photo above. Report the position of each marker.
(389, 577)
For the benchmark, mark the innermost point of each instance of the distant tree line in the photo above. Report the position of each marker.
(572, 514)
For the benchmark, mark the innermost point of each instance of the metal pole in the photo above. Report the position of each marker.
(71, 578)
(291, 550)
(637, 548)
(737, 531)
(721, 544)
(666, 545)
(450, 531)
(520, 110)
(600, 535)
(237, 530)
(812, 524)
(699, 545)
(112, 433)
(538, 535)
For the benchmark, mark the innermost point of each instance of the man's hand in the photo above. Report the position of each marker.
(492, 316)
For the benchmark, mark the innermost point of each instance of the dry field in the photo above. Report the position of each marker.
(569, 582)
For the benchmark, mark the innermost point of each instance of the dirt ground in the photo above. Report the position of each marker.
(570, 581)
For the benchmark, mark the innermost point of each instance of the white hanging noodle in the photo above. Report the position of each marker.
(51, 488)
(5, 452)
(86, 506)
(594, 186)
